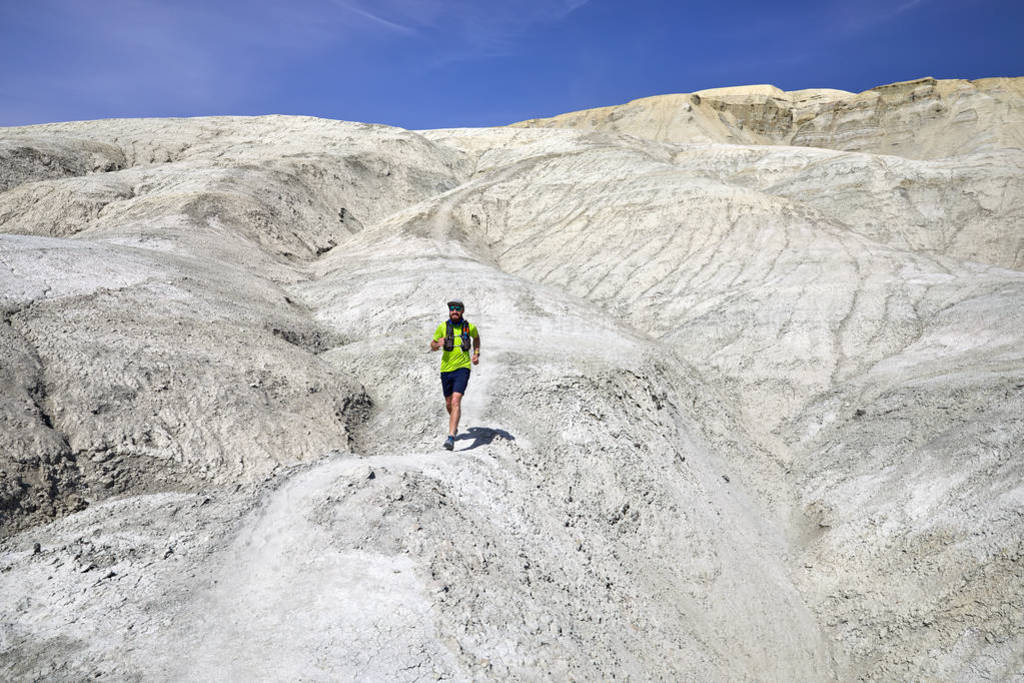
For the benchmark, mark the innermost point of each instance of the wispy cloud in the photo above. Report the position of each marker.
(468, 25)
(907, 6)
(375, 19)
(858, 16)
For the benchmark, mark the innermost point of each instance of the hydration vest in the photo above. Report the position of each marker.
(449, 336)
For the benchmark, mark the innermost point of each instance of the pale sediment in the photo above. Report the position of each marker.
(748, 408)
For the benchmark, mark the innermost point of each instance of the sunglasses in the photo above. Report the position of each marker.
(455, 308)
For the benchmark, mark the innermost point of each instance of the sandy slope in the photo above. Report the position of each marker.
(744, 412)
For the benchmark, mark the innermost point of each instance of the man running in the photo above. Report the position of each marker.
(454, 336)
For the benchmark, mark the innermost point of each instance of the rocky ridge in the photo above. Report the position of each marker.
(920, 119)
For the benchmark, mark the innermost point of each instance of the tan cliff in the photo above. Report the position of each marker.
(920, 119)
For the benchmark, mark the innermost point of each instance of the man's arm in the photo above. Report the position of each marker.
(435, 343)
(476, 348)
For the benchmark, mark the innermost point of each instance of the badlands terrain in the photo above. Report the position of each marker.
(749, 404)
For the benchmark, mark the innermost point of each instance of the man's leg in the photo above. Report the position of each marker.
(454, 403)
(447, 389)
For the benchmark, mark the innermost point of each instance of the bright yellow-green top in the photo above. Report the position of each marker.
(456, 358)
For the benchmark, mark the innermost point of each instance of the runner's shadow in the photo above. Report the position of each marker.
(482, 436)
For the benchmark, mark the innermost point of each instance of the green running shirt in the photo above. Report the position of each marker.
(456, 358)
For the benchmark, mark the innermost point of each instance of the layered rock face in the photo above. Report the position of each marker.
(922, 119)
(749, 405)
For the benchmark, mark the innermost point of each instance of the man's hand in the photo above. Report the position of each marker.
(435, 345)
(476, 358)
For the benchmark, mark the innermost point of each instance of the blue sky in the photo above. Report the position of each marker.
(440, 63)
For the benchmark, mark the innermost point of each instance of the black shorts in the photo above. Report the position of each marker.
(455, 382)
